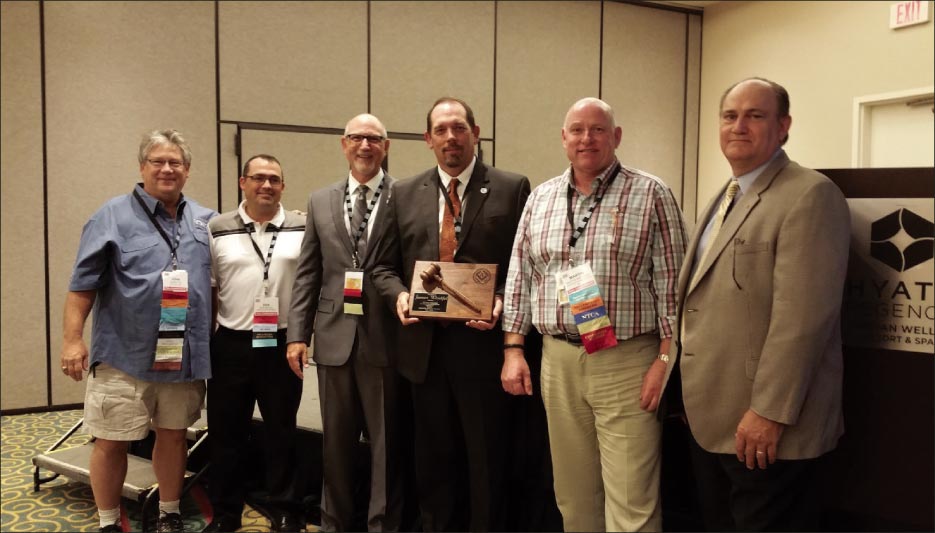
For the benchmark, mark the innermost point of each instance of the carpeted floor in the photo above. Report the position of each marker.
(65, 505)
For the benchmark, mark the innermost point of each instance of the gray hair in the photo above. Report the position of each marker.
(161, 137)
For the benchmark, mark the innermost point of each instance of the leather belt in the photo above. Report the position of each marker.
(570, 339)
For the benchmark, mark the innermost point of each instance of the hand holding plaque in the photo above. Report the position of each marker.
(452, 291)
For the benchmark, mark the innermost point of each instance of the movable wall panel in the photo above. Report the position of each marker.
(548, 57)
(421, 51)
(23, 282)
(644, 81)
(300, 63)
(310, 161)
(114, 71)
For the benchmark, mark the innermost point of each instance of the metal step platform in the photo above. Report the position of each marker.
(140, 484)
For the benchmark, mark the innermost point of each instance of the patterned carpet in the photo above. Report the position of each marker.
(65, 505)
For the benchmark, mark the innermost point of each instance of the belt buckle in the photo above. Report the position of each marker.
(570, 339)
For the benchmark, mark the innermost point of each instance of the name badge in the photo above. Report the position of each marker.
(588, 308)
(354, 292)
(265, 321)
(170, 340)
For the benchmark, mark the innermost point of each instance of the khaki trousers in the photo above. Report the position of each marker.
(605, 449)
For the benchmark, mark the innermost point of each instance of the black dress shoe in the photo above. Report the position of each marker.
(224, 524)
(112, 528)
(286, 523)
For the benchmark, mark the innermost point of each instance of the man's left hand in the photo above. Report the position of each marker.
(757, 440)
(652, 386)
(485, 325)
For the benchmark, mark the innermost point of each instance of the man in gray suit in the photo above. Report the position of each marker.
(334, 297)
(760, 302)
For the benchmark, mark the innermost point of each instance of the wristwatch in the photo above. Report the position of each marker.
(664, 357)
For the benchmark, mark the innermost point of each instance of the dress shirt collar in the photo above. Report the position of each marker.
(152, 203)
(372, 185)
(276, 221)
(746, 180)
(598, 181)
(463, 178)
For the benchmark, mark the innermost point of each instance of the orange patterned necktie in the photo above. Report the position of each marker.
(448, 242)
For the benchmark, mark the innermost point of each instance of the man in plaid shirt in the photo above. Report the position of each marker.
(623, 229)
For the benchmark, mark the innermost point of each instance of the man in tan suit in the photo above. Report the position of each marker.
(760, 302)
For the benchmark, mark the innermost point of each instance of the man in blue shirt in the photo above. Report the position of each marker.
(143, 265)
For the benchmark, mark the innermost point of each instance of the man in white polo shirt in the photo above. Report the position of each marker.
(254, 251)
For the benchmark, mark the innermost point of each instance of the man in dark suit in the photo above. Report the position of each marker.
(459, 407)
(760, 302)
(356, 382)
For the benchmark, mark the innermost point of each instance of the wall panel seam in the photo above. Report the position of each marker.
(369, 67)
(217, 97)
(45, 207)
(600, 57)
(493, 127)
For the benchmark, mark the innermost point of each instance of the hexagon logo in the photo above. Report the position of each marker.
(902, 240)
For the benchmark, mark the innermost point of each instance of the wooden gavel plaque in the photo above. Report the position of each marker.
(452, 291)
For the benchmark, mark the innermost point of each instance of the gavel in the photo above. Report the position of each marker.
(432, 277)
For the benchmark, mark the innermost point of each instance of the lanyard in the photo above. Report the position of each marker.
(587, 217)
(269, 253)
(359, 230)
(451, 209)
(178, 229)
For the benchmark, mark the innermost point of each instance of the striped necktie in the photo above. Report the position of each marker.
(719, 217)
(360, 208)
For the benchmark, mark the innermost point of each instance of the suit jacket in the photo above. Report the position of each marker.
(494, 203)
(318, 293)
(761, 324)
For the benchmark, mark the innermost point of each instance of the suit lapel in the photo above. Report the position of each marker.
(477, 191)
(379, 220)
(337, 216)
(685, 276)
(427, 203)
(738, 213)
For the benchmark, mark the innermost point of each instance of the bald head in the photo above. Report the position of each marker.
(364, 119)
(591, 102)
(365, 146)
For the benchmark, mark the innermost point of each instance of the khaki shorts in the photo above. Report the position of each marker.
(118, 406)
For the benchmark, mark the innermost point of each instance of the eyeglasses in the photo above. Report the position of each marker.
(174, 164)
(260, 179)
(358, 138)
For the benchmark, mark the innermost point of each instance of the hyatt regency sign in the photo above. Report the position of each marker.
(889, 292)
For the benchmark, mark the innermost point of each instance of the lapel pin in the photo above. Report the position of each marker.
(483, 190)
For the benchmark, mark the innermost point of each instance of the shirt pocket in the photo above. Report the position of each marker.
(140, 256)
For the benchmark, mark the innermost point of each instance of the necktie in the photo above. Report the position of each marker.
(360, 208)
(722, 210)
(448, 242)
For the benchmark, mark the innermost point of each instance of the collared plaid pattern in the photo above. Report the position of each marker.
(635, 244)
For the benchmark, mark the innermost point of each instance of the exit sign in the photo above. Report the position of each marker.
(908, 13)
